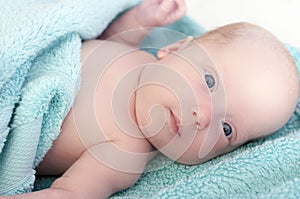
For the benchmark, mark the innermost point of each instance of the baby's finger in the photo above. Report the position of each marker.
(180, 9)
(167, 6)
(177, 13)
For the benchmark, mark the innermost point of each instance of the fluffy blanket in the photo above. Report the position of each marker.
(39, 78)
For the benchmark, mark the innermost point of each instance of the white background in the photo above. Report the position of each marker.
(281, 17)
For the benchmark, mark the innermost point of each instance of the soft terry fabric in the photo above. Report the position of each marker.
(39, 76)
(267, 168)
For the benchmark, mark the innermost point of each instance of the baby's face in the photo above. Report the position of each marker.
(203, 106)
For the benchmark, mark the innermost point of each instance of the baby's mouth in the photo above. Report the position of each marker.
(173, 122)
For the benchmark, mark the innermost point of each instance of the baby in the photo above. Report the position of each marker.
(202, 98)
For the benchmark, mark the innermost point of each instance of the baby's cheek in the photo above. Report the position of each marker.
(202, 92)
(221, 147)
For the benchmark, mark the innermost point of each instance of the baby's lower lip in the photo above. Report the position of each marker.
(173, 123)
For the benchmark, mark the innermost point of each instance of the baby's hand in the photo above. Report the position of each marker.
(152, 13)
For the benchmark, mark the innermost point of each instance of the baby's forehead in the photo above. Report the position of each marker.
(249, 85)
(257, 77)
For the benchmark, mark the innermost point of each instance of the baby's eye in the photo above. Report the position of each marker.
(210, 80)
(227, 130)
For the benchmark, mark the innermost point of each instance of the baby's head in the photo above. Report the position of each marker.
(248, 89)
(259, 75)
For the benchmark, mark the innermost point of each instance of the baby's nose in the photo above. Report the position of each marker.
(202, 117)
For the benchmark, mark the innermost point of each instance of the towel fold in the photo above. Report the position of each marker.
(39, 76)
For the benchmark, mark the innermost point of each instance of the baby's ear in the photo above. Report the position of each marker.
(165, 51)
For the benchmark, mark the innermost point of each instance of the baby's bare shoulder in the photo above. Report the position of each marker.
(112, 47)
(90, 45)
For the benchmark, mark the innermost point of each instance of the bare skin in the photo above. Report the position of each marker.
(237, 105)
(85, 175)
(75, 158)
(68, 147)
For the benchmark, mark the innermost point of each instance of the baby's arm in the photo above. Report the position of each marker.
(87, 178)
(149, 13)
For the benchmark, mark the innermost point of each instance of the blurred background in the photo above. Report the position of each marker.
(281, 17)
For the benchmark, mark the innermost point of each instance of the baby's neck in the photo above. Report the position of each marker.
(125, 77)
(119, 71)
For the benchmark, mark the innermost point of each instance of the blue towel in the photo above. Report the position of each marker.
(39, 76)
(266, 168)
